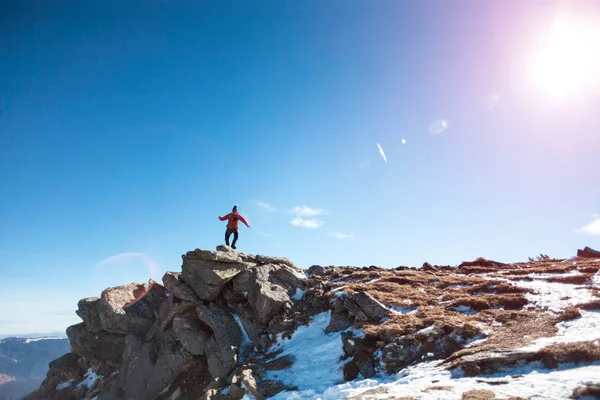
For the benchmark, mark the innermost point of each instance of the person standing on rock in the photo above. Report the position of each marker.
(233, 219)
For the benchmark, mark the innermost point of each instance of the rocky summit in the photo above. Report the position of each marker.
(222, 328)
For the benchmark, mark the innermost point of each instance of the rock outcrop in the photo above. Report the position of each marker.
(208, 332)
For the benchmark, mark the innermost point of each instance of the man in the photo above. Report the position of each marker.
(233, 219)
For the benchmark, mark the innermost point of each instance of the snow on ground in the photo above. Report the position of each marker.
(317, 369)
(317, 365)
(298, 295)
(90, 379)
(582, 329)
(535, 383)
(44, 338)
(555, 296)
(64, 385)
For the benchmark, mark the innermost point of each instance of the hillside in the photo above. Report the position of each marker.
(234, 325)
(24, 363)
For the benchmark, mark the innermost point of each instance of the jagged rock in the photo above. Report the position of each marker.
(222, 347)
(179, 289)
(63, 369)
(235, 392)
(588, 252)
(130, 309)
(280, 363)
(355, 310)
(87, 309)
(221, 359)
(479, 395)
(270, 299)
(588, 390)
(208, 271)
(99, 345)
(273, 260)
(490, 361)
(373, 309)
(249, 383)
(262, 286)
(289, 277)
(149, 367)
(190, 332)
(269, 388)
(317, 270)
(339, 322)
(191, 383)
(254, 329)
(350, 370)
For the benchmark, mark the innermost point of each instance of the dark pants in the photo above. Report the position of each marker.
(228, 233)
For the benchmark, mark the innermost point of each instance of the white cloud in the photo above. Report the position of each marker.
(266, 206)
(593, 228)
(339, 235)
(403, 141)
(304, 211)
(381, 152)
(311, 223)
(437, 127)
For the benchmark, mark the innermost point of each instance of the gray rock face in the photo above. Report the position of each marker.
(208, 271)
(87, 309)
(179, 289)
(338, 322)
(129, 309)
(371, 307)
(222, 348)
(270, 300)
(317, 270)
(98, 345)
(190, 332)
(149, 367)
(268, 288)
(273, 260)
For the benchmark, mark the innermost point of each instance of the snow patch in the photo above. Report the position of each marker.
(465, 310)
(64, 385)
(298, 295)
(90, 379)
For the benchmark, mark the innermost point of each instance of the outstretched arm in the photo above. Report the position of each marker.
(244, 221)
(224, 218)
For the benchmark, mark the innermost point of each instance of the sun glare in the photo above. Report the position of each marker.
(566, 60)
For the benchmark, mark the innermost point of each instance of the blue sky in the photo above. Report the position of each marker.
(127, 129)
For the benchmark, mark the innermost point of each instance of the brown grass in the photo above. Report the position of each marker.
(569, 313)
(592, 305)
(576, 352)
(571, 279)
(479, 395)
(442, 388)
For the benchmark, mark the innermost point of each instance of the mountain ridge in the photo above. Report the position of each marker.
(223, 327)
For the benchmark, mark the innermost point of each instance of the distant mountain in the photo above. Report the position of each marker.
(36, 335)
(24, 363)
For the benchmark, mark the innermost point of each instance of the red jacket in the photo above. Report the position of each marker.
(233, 219)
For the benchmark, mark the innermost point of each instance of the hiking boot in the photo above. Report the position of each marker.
(233, 246)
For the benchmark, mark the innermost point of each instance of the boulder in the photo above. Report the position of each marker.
(179, 289)
(317, 270)
(98, 345)
(208, 271)
(270, 300)
(339, 322)
(373, 309)
(222, 347)
(260, 259)
(130, 309)
(87, 309)
(588, 253)
(280, 363)
(150, 367)
(190, 332)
